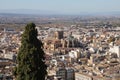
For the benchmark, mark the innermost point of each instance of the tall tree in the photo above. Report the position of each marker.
(30, 59)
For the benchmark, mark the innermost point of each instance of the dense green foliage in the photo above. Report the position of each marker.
(30, 59)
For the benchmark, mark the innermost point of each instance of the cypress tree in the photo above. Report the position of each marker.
(30, 59)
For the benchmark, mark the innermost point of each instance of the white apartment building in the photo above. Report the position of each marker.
(115, 49)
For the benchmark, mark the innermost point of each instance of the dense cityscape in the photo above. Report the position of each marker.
(59, 39)
(74, 49)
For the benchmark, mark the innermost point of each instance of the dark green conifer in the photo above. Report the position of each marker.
(30, 59)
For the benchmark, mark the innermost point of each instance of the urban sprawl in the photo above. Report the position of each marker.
(72, 52)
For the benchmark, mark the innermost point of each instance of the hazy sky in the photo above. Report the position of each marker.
(63, 6)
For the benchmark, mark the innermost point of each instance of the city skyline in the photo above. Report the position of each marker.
(60, 6)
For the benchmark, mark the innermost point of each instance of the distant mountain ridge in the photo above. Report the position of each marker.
(28, 11)
(44, 12)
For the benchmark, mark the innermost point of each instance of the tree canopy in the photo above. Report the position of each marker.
(30, 59)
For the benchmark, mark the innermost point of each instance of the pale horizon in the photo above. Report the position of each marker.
(60, 6)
